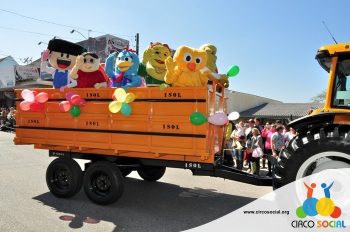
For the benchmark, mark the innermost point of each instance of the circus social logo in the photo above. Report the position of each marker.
(324, 206)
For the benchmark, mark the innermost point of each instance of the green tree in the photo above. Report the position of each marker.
(321, 97)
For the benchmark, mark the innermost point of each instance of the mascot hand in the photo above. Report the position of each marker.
(45, 55)
(170, 64)
(73, 75)
(224, 80)
(80, 61)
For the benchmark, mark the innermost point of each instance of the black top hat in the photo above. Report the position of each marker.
(59, 45)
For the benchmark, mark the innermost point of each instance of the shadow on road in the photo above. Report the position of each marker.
(148, 206)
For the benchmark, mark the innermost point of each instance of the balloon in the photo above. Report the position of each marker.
(36, 107)
(75, 99)
(64, 106)
(35, 93)
(130, 97)
(27, 95)
(233, 116)
(115, 106)
(218, 119)
(126, 109)
(233, 71)
(75, 111)
(82, 102)
(25, 105)
(197, 118)
(42, 97)
(69, 95)
(120, 94)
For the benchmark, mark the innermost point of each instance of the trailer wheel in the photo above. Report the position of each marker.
(103, 183)
(151, 173)
(313, 152)
(64, 177)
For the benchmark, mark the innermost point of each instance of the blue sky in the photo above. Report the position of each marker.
(273, 42)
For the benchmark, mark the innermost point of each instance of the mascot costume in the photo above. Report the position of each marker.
(62, 56)
(122, 69)
(185, 68)
(211, 64)
(153, 67)
(87, 72)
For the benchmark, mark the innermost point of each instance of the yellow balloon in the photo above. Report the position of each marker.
(115, 106)
(325, 206)
(120, 94)
(130, 97)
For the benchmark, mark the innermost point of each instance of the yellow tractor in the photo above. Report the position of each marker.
(323, 140)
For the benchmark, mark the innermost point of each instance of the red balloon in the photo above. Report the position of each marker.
(36, 107)
(27, 95)
(25, 105)
(42, 97)
(64, 106)
(69, 95)
(82, 102)
(75, 99)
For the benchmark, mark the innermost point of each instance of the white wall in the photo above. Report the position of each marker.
(7, 72)
(239, 102)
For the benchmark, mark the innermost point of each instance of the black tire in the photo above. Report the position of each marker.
(151, 173)
(64, 177)
(103, 183)
(322, 143)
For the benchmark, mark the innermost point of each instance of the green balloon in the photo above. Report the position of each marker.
(126, 109)
(233, 71)
(197, 118)
(75, 111)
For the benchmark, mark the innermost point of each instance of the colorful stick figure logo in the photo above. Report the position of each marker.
(323, 206)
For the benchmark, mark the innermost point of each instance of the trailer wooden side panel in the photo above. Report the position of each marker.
(158, 128)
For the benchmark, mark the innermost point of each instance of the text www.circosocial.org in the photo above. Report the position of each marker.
(285, 212)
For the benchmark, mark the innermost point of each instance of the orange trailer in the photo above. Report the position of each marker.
(158, 134)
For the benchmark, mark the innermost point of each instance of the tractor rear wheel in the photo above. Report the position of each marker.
(313, 152)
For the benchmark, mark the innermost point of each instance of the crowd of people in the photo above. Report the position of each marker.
(7, 119)
(250, 143)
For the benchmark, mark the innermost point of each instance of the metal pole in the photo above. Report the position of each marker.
(137, 38)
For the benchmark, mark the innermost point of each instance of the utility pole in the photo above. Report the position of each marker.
(137, 39)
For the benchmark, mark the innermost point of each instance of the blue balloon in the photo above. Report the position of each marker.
(126, 109)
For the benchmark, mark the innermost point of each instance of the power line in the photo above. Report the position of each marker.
(59, 24)
(30, 32)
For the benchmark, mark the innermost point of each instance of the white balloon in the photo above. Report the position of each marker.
(233, 116)
(218, 119)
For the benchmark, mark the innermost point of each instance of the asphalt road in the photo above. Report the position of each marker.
(179, 201)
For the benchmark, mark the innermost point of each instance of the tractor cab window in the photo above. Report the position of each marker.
(341, 91)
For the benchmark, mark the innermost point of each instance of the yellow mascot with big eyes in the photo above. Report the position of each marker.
(186, 68)
(153, 67)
